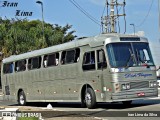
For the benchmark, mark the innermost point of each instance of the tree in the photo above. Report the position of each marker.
(20, 36)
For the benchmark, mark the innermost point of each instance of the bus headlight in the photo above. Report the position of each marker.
(128, 86)
(153, 84)
(125, 86)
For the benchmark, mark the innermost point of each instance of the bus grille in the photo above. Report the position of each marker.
(135, 85)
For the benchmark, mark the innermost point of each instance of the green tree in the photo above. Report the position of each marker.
(20, 36)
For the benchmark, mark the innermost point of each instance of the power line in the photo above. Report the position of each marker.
(104, 9)
(85, 12)
(146, 15)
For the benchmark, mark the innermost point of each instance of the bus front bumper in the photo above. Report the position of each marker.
(134, 95)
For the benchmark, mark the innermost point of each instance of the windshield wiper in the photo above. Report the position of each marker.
(130, 58)
(128, 61)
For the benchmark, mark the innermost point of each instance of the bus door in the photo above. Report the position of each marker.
(93, 64)
(101, 74)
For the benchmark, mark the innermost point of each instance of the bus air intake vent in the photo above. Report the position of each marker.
(136, 85)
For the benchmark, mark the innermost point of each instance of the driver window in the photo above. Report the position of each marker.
(142, 57)
(101, 60)
(146, 54)
(89, 61)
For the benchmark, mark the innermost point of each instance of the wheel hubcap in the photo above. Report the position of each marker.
(21, 99)
(88, 98)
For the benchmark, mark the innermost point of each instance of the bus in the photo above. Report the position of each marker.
(104, 68)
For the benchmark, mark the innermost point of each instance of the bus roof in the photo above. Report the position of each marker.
(91, 41)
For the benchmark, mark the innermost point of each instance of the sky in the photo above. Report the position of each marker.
(138, 12)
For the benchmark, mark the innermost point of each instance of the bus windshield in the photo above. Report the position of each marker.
(128, 54)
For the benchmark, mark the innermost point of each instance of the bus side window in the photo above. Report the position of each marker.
(11, 67)
(101, 60)
(45, 61)
(89, 61)
(8, 68)
(29, 64)
(63, 55)
(34, 63)
(51, 60)
(57, 59)
(70, 56)
(77, 55)
(20, 65)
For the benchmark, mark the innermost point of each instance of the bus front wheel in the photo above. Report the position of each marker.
(90, 98)
(21, 98)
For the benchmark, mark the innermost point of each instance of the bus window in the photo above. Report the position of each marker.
(8, 68)
(34, 63)
(101, 60)
(63, 57)
(77, 55)
(51, 60)
(45, 61)
(57, 58)
(89, 61)
(71, 56)
(20, 65)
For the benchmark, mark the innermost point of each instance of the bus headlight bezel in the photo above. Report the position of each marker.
(125, 86)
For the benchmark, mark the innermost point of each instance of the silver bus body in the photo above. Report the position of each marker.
(118, 77)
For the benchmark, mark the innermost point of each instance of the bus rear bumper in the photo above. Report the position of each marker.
(134, 95)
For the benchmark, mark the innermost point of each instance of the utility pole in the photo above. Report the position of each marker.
(41, 3)
(112, 16)
(109, 21)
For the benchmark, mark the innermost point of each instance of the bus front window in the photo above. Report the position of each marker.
(143, 54)
(129, 54)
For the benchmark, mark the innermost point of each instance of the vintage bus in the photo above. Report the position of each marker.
(104, 68)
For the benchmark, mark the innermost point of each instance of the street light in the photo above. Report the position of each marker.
(133, 27)
(39, 2)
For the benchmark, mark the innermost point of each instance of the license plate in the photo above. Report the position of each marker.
(140, 94)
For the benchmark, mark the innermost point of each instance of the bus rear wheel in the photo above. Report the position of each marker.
(21, 98)
(90, 98)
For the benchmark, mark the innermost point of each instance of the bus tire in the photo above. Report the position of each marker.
(83, 103)
(21, 98)
(90, 98)
(127, 103)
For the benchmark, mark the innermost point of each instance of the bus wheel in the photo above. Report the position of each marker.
(90, 98)
(127, 103)
(83, 103)
(21, 98)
